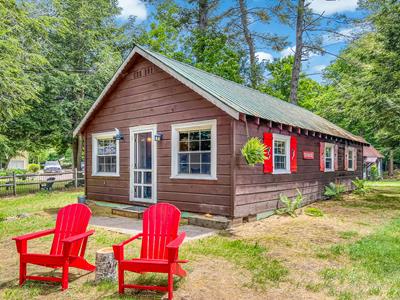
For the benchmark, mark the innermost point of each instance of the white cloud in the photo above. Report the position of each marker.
(333, 6)
(344, 34)
(133, 8)
(318, 68)
(264, 56)
(288, 51)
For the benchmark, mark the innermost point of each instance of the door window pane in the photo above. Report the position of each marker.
(144, 141)
(138, 191)
(147, 177)
(147, 192)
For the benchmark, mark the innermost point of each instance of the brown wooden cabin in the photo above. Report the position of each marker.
(183, 130)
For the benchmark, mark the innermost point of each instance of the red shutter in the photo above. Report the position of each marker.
(336, 157)
(293, 154)
(322, 156)
(346, 158)
(268, 140)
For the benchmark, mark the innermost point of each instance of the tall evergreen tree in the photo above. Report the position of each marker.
(87, 47)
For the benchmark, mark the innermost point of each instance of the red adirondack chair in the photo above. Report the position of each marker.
(68, 247)
(159, 252)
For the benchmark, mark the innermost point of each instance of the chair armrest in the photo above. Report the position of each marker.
(119, 248)
(33, 235)
(22, 240)
(176, 243)
(173, 247)
(78, 237)
(67, 242)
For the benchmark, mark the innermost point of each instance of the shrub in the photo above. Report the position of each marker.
(290, 205)
(374, 173)
(254, 151)
(33, 168)
(334, 190)
(359, 186)
(9, 172)
(313, 212)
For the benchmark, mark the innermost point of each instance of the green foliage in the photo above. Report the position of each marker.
(290, 205)
(165, 31)
(313, 212)
(359, 186)
(364, 84)
(33, 168)
(348, 234)
(374, 173)
(254, 151)
(334, 190)
(213, 54)
(9, 172)
(21, 57)
(278, 84)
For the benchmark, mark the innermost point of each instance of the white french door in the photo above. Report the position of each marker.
(143, 164)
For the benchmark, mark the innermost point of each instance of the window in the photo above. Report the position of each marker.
(105, 152)
(281, 154)
(329, 157)
(350, 159)
(193, 150)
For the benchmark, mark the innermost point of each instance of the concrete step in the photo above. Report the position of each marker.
(135, 212)
(214, 222)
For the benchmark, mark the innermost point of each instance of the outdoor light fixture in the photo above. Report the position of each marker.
(158, 137)
(118, 135)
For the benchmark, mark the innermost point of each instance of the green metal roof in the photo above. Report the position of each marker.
(252, 102)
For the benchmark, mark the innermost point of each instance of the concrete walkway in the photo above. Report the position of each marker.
(133, 226)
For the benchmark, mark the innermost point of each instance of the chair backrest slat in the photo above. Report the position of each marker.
(160, 226)
(71, 220)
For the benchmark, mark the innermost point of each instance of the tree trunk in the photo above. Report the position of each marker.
(203, 15)
(77, 152)
(202, 22)
(294, 84)
(105, 265)
(390, 171)
(250, 43)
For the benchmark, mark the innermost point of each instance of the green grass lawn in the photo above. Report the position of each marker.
(352, 251)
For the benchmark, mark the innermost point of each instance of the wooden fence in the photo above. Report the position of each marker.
(17, 184)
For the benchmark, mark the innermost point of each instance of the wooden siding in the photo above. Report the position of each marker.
(256, 192)
(154, 97)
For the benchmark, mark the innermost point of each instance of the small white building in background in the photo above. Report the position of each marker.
(371, 157)
(19, 161)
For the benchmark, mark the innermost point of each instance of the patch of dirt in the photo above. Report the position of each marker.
(213, 278)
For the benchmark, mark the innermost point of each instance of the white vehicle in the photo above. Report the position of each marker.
(52, 167)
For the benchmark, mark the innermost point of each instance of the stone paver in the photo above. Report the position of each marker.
(133, 226)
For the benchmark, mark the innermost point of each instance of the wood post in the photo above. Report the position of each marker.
(75, 177)
(14, 184)
(105, 265)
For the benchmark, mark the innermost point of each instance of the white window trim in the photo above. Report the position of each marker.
(330, 145)
(103, 135)
(286, 139)
(175, 128)
(352, 158)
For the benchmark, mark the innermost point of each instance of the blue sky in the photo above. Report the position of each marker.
(315, 65)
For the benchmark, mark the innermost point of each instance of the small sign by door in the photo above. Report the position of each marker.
(308, 155)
